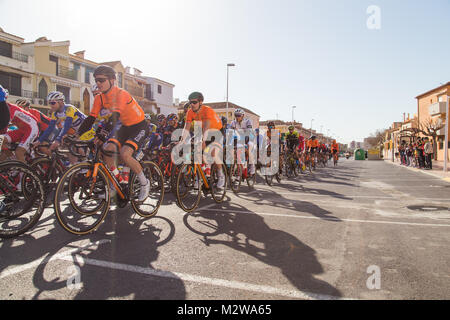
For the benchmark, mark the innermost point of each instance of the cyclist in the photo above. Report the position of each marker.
(4, 110)
(26, 132)
(313, 146)
(161, 123)
(172, 125)
(209, 119)
(183, 115)
(43, 120)
(335, 149)
(62, 114)
(240, 123)
(292, 140)
(131, 135)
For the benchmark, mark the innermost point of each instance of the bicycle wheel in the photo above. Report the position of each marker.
(188, 190)
(20, 210)
(82, 202)
(173, 177)
(235, 177)
(269, 179)
(49, 173)
(218, 194)
(149, 207)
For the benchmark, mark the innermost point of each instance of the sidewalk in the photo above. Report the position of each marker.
(437, 171)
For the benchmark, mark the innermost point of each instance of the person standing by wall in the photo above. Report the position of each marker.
(428, 150)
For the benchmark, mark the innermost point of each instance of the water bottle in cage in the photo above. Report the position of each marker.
(139, 155)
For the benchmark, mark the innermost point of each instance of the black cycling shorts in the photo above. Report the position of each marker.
(133, 136)
(313, 149)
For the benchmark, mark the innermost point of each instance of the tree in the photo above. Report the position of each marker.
(429, 128)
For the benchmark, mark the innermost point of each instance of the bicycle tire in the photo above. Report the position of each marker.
(236, 173)
(60, 191)
(155, 176)
(218, 198)
(186, 177)
(37, 201)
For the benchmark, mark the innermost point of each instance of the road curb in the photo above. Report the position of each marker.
(446, 179)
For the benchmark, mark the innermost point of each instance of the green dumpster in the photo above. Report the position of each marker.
(360, 154)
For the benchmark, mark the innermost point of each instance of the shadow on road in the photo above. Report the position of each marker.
(134, 245)
(248, 233)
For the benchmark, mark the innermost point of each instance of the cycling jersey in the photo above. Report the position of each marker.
(155, 141)
(69, 117)
(312, 144)
(244, 124)
(120, 101)
(292, 139)
(167, 135)
(43, 120)
(301, 143)
(335, 147)
(204, 114)
(27, 125)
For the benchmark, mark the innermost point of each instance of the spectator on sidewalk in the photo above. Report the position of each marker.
(409, 154)
(420, 146)
(428, 150)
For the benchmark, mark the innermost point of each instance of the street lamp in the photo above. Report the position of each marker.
(228, 66)
(446, 135)
(293, 107)
(311, 126)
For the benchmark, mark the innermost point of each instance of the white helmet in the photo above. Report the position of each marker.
(239, 112)
(55, 95)
(24, 103)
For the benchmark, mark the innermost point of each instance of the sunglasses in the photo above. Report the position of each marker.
(53, 103)
(238, 115)
(101, 80)
(271, 127)
(193, 102)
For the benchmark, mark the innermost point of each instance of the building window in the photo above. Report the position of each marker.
(5, 49)
(43, 89)
(119, 79)
(159, 89)
(12, 82)
(87, 72)
(55, 60)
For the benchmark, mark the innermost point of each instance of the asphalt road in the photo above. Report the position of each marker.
(363, 230)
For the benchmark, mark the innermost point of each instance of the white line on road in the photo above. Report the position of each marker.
(204, 280)
(37, 262)
(331, 219)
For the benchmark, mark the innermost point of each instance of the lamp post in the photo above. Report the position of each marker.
(228, 67)
(446, 135)
(311, 126)
(293, 107)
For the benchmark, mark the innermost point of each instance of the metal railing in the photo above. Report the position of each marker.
(14, 55)
(67, 73)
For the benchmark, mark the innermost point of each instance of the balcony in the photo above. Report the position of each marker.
(14, 55)
(437, 108)
(67, 73)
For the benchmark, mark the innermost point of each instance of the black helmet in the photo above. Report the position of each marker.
(186, 106)
(106, 71)
(224, 120)
(196, 95)
(271, 124)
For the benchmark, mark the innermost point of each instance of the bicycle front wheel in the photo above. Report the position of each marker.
(188, 188)
(81, 200)
(22, 199)
(217, 171)
(150, 206)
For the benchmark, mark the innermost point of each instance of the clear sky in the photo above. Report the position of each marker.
(317, 55)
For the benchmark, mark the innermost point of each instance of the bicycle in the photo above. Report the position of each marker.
(238, 172)
(87, 187)
(189, 179)
(21, 198)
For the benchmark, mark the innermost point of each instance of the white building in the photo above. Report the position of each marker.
(162, 94)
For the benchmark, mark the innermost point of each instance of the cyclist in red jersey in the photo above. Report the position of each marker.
(43, 120)
(28, 130)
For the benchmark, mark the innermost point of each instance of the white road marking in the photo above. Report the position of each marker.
(332, 219)
(204, 280)
(37, 262)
